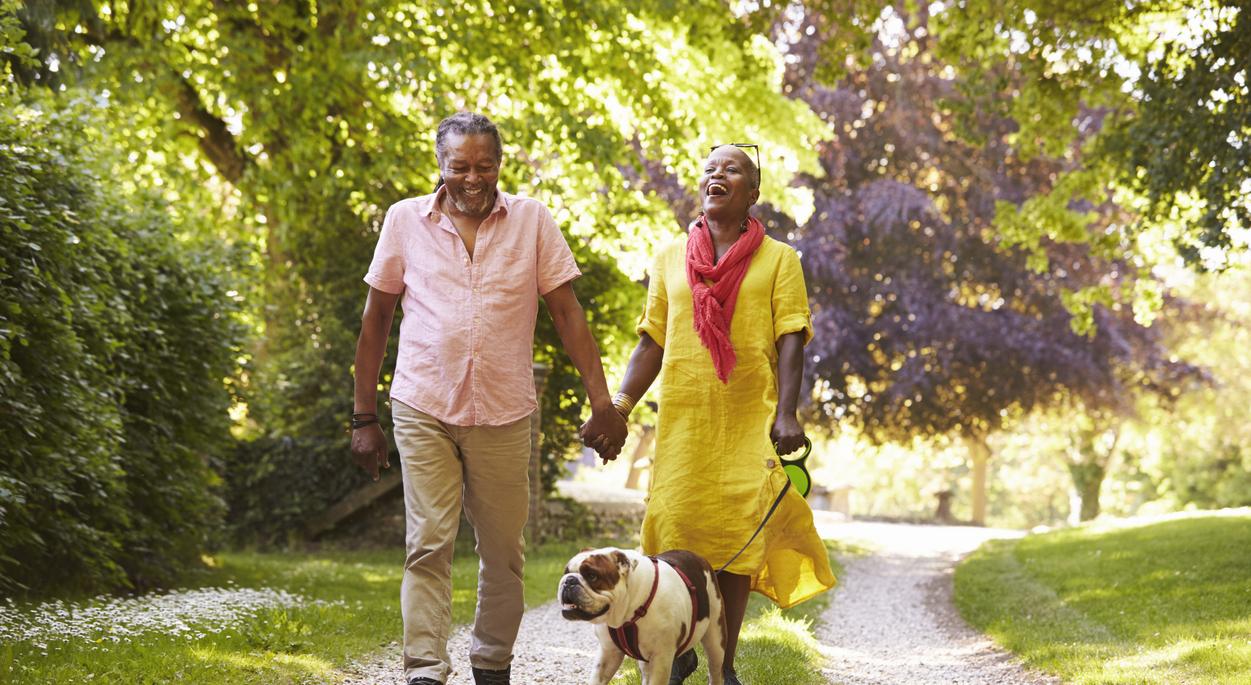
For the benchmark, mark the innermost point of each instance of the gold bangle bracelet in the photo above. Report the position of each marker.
(623, 402)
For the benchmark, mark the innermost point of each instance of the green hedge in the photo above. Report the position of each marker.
(116, 337)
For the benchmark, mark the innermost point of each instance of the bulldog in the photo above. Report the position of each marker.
(652, 609)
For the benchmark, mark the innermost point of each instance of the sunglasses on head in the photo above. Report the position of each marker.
(745, 146)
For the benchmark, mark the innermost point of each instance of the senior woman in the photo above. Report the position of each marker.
(724, 327)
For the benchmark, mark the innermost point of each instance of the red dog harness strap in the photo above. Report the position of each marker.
(690, 588)
(626, 636)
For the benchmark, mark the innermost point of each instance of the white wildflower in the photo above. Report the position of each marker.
(194, 614)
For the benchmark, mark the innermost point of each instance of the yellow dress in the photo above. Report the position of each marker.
(715, 473)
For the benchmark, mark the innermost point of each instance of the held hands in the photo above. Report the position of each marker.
(605, 432)
(787, 434)
(369, 449)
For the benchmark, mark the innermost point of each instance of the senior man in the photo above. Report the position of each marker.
(468, 264)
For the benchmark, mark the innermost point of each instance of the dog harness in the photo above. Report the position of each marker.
(626, 636)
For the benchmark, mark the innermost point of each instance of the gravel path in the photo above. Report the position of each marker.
(891, 622)
(549, 651)
(892, 619)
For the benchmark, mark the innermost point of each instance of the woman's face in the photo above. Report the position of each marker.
(728, 185)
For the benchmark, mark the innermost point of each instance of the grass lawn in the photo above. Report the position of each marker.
(1164, 601)
(275, 645)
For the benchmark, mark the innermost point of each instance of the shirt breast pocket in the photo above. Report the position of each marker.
(512, 272)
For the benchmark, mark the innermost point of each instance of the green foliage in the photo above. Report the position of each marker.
(1194, 452)
(1189, 138)
(1157, 92)
(115, 338)
(1162, 601)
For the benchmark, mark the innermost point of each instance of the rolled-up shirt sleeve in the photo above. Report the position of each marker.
(655, 319)
(556, 265)
(386, 271)
(790, 299)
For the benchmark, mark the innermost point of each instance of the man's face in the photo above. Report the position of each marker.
(470, 171)
(728, 184)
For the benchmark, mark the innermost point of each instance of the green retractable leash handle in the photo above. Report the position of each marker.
(797, 470)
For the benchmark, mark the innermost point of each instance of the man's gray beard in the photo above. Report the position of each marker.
(487, 201)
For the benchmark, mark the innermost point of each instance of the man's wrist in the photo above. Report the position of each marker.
(602, 404)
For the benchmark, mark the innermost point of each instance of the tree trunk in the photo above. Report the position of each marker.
(1090, 457)
(641, 450)
(979, 454)
(1087, 482)
(534, 524)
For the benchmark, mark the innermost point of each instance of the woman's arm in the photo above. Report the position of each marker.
(643, 368)
(787, 434)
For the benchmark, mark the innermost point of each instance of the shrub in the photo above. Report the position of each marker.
(115, 340)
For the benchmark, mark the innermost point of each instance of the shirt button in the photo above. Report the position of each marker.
(769, 463)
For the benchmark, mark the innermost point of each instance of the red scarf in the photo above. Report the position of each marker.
(714, 305)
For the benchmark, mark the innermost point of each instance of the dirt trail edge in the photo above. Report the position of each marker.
(892, 619)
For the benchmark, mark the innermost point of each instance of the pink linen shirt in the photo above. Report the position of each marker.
(467, 336)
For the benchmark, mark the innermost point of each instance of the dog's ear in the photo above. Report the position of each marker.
(624, 563)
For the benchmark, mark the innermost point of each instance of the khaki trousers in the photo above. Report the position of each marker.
(485, 469)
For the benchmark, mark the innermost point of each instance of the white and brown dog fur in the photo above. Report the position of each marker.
(607, 586)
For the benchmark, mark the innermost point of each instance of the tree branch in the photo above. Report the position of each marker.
(216, 141)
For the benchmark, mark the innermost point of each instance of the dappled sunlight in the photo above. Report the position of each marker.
(1167, 656)
(252, 662)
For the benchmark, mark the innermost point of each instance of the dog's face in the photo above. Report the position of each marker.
(593, 580)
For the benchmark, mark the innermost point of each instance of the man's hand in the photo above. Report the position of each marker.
(787, 434)
(369, 449)
(605, 432)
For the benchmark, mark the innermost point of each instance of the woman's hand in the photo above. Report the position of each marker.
(369, 449)
(787, 434)
(605, 432)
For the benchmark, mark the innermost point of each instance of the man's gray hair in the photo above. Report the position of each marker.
(466, 123)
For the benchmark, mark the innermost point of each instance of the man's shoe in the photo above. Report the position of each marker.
(421, 680)
(683, 667)
(482, 676)
(731, 678)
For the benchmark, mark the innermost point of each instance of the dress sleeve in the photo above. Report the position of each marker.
(556, 265)
(655, 319)
(386, 271)
(790, 299)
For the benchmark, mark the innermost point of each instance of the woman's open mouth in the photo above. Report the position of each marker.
(717, 189)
